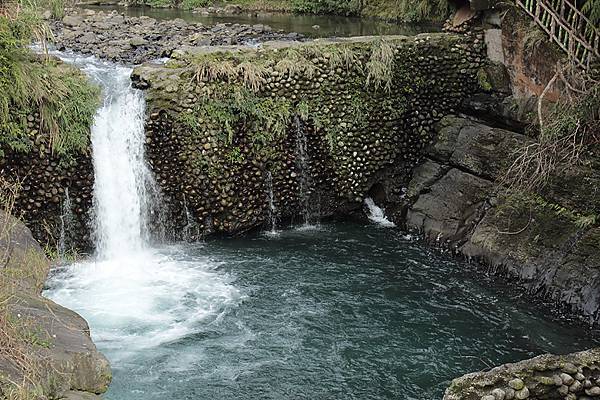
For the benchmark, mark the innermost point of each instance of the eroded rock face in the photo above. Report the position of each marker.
(573, 376)
(133, 40)
(538, 237)
(60, 355)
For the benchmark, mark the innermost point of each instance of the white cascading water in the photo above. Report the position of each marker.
(133, 295)
(376, 214)
(122, 178)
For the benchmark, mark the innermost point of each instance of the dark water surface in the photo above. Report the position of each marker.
(347, 311)
(329, 25)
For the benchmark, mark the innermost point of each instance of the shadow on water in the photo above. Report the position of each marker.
(329, 26)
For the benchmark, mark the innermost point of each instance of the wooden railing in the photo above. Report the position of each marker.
(568, 27)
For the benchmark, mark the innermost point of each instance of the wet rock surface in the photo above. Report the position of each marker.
(51, 188)
(55, 340)
(133, 40)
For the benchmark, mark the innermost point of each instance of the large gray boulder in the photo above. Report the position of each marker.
(44, 344)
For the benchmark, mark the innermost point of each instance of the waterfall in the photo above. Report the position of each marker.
(122, 182)
(272, 216)
(134, 294)
(124, 188)
(66, 223)
(376, 214)
(305, 181)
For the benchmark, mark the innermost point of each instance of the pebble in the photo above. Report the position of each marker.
(522, 394)
(593, 391)
(575, 387)
(566, 379)
(498, 394)
(510, 394)
(569, 368)
(516, 384)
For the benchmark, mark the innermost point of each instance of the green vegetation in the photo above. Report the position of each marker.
(40, 98)
(591, 8)
(265, 118)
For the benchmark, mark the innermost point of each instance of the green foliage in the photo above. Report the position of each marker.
(235, 156)
(191, 4)
(408, 10)
(160, 3)
(582, 221)
(341, 7)
(591, 8)
(265, 118)
(62, 98)
(484, 80)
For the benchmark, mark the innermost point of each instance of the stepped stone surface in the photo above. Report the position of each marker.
(537, 238)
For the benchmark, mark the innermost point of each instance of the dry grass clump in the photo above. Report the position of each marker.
(380, 67)
(566, 132)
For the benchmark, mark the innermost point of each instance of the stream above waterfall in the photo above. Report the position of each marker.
(309, 25)
(344, 311)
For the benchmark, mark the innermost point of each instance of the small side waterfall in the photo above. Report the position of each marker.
(272, 216)
(191, 226)
(377, 214)
(305, 180)
(66, 223)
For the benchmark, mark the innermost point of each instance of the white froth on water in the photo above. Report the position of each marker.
(376, 214)
(143, 300)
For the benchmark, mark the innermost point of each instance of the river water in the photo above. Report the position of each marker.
(308, 25)
(349, 311)
(337, 311)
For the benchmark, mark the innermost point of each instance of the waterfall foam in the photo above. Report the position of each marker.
(376, 214)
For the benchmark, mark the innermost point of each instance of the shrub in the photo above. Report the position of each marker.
(31, 84)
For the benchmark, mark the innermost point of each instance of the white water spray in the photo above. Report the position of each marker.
(310, 211)
(376, 214)
(66, 222)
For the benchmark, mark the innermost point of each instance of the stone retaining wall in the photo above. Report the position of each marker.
(221, 120)
(43, 181)
(574, 376)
